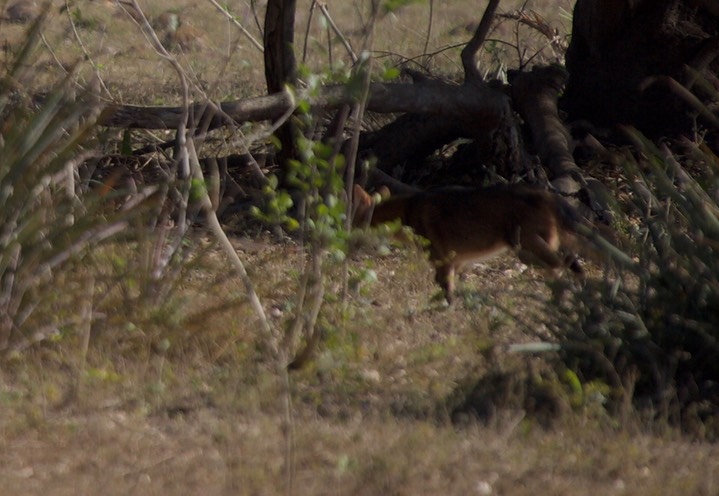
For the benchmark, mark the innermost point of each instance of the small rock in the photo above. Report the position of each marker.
(371, 376)
(484, 488)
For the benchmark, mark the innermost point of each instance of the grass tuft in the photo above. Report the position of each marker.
(652, 332)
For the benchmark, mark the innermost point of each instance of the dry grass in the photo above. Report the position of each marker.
(223, 64)
(216, 452)
(204, 416)
(180, 397)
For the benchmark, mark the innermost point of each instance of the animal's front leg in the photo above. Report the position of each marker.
(536, 251)
(444, 275)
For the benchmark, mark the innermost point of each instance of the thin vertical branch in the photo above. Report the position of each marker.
(191, 165)
(470, 52)
(85, 328)
(226, 245)
(84, 50)
(325, 12)
(181, 157)
(289, 427)
(358, 111)
(234, 21)
(307, 31)
(429, 26)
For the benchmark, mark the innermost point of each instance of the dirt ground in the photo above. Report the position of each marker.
(212, 452)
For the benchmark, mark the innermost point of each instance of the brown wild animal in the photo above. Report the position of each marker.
(464, 225)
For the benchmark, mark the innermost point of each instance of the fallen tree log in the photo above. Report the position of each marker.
(435, 113)
(478, 107)
(441, 112)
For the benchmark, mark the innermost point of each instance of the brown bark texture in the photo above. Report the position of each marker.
(623, 52)
(477, 108)
(281, 67)
(535, 97)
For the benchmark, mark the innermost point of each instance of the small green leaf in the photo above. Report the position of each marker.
(275, 142)
(292, 224)
(390, 74)
(303, 107)
(198, 189)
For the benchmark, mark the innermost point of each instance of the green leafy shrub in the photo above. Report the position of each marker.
(653, 333)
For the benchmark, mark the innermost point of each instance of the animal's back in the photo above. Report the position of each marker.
(470, 224)
(478, 223)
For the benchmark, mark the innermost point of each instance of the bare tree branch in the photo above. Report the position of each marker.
(233, 20)
(325, 12)
(469, 53)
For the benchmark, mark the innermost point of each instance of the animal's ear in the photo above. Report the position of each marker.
(362, 206)
(361, 197)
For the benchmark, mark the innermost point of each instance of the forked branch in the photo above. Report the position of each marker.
(471, 51)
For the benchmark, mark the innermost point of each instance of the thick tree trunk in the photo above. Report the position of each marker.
(619, 45)
(535, 97)
(281, 67)
(279, 38)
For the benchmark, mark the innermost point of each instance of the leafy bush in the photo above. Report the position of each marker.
(44, 227)
(653, 333)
